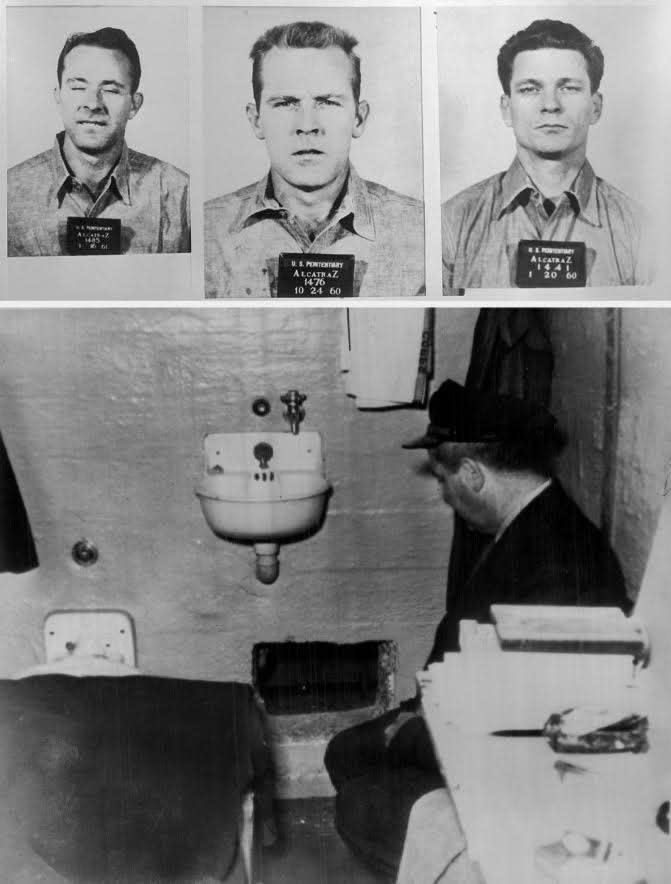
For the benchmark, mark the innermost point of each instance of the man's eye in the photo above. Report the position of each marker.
(571, 87)
(329, 102)
(113, 90)
(76, 88)
(527, 90)
(284, 103)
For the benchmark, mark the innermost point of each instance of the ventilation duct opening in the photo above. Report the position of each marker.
(295, 678)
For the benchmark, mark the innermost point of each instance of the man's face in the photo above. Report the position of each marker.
(95, 98)
(452, 488)
(463, 488)
(307, 114)
(550, 107)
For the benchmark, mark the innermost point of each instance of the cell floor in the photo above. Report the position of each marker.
(312, 851)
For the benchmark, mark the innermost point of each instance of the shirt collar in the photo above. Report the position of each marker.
(121, 176)
(354, 206)
(583, 190)
(61, 175)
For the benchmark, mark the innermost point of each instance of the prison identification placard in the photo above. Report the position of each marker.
(315, 275)
(546, 264)
(94, 236)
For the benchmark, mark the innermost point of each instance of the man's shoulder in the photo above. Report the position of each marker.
(26, 170)
(471, 196)
(231, 201)
(583, 545)
(143, 162)
(556, 499)
(553, 526)
(618, 200)
(225, 210)
(556, 507)
(391, 199)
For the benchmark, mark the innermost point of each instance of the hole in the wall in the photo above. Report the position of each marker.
(295, 678)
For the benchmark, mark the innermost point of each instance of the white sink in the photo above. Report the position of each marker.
(256, 507)
(265, 489)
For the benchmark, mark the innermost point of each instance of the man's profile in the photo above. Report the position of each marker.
(90, 193)
(548, 221)
(312, 226)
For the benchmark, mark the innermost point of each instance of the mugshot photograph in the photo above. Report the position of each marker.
(97, 110)
(313, 153)
(549, 161)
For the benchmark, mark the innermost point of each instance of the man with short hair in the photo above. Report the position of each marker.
(549, 220)
(312, 226)
(494, 459)
(90, 193)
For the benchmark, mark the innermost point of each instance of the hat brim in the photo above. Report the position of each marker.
(430, 439)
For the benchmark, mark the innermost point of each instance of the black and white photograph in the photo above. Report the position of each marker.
(300, 589)
(550, 146)
(97, 131)
(224, 581)
(320, 120)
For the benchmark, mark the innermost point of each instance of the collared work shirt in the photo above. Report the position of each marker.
(245, 232)
(483, 225)
(150, 197)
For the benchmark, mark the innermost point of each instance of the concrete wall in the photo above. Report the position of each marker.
(103, 413)
(643, 447)
(644, 444)
(578, 341)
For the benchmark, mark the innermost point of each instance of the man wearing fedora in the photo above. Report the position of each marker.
(494, 459)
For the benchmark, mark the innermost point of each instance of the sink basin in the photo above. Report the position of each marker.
(244, 506)
(259, 500)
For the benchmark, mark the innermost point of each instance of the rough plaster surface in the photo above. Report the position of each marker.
(104, 412)
(644, 440)
(578, 340)
(644, 446)
(300, 771)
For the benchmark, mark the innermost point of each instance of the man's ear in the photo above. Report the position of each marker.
(253, 116)
(136, 102)
(362, 111)
(504, 104)
(471, 474)
(597, 107)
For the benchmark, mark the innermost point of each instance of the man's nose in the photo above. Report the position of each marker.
(92, 99)
(551, 100)
(308, 119)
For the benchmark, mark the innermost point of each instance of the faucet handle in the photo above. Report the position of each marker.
(295, 412)
(293, 397)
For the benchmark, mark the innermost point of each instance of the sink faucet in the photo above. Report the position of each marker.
(295, 412)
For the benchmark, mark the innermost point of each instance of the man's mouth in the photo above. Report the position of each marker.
(91, 123)
(308, 152)
(553, 126)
